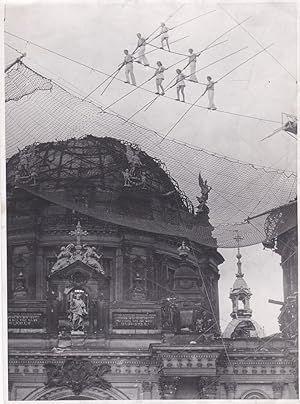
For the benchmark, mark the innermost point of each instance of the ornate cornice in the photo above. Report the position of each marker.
(129, 365)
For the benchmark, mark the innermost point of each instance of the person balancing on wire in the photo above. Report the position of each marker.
(192, 63)
(210, 92)
(128, 63)
(141, 48)
(159, 77)
(180, 85)
(164, 36)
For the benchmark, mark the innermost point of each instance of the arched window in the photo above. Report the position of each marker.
(254, 395)
(63, 393)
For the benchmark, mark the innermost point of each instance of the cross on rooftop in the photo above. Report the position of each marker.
(238, 238)
(78, 233)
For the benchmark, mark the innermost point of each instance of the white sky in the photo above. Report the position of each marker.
(96, 33)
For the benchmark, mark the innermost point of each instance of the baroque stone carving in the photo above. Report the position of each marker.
(64, 258)
(203, 322)
(84, 253)
(207, 387)
(26, 173)
(138, 289)
(77, 374)
(20, 285)
(134, 175)
(170, 314)
(147, 386)
(205, 189)
(168, 387)
(77, 310)
(20, 262)
(277, 389)
(138, 292)
(230, 389)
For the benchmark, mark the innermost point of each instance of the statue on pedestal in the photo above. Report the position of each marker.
(170, 314)
(138, 291)
(20, 285)
(77, 311)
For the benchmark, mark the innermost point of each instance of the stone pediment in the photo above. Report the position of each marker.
(86, 270)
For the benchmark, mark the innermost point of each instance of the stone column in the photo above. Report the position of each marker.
(92, 317)
(147, 390)
(208, 387)
(31, 268)
(168, 387)
(117, 285)
(40, 275)
(52, 314)
(10, 272)
(100, 315)
(11, 390)
(277, 389)
(247, 303)
(235, 305)
(230, 390)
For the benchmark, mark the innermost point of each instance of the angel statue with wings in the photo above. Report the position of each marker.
(205, 189)
(93, 259)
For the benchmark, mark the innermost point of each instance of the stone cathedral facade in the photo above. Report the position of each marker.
(105, 302)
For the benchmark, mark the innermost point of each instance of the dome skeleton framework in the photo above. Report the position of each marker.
(53, 113)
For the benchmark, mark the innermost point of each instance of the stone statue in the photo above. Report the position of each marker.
(63, 258)
(169, 314)
(126, 176)
(203, 322)
(135, 175)
(25, 170)
(77, 311)
(134, 161)
(84, 253)
(199, 325)
(77, 375)
(91, 258)
(205, 189)
(20, 289)
(138, 291)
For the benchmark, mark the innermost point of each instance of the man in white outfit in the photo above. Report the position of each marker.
(164, 36)
(210, 89)
(192, 62)
(128, 63)
(141, 48)
(180, 83)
